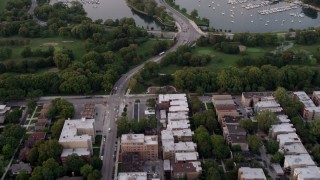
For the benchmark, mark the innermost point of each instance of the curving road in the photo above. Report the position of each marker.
(187, 33)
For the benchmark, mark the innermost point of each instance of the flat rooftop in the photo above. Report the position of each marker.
(132, 176)
(187, 156)
(279, 128)
(231, 119)
(139, 138)
(221, 97)
(238, 138)
(298, 160)
(310, 172)
(178, 108)
(267, 104)
(222, 102)
(283, 118)
(252, 173)
(294, 148)
(235, 129)
(183, 124)
(170, 134)
(256, 94)
(185, 146)
(178, 116)
(77, 151)
(70, 129)
(187, 167)
(168, 97)
(179, 103)
(304, 98)
(288, 138)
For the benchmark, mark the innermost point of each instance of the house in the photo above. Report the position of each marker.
(169, 148)
(4, 110)
(283, 118)
(270, 105)
(78, 133)
(230, 120)
(235, 135)
(297, 161)
(226, 110)
(277, 129)
(307, 173)
(247, 173)
(249, 99)
(190, 170)
(183, 135)
(17, 168)
(33, 138)
(164, 100)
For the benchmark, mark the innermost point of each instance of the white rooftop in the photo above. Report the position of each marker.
(2, 107)
(304, 98)
(170, 134)
(306, 173)
(221, 102)
(163, 114)
(166, 165)
(78, 151)
(178, 108)
(298, 160)
(132, 176)
(317, 93)
(252, 173)
(185, 146)
(139, 138)
(168, 97)
(313, 109)
(197, 165)
(187, 156)
(179, 103)
(177, 116)
(70, 128)
(283, 128)
(267, 104)
(283, 118)
(288, 138)
(294, 148)
(183, 124)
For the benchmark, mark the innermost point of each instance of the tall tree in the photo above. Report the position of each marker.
(265, 119)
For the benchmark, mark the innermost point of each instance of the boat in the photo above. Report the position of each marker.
(232, 21)
(209, 5)
(266, 24)
(251, 21)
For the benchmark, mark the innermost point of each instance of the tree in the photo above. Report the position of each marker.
(7, 151)
(315, 128)
(151, 103)
(265, 119)
(96, 162)
(73, 163)
(229, 164)
(52, 169)
(26, 52)
(14, 116)
(56, 128)
(49, 149)
(61, 107)
(61, 60)
(272, 146)
(220, 149)
(316, 152)
(254, 143)
(22, 175)
(281, 95)
(248, 125)
(204, 146)
(86, 170)
(277, 158)
(194, 14)
(32, 104)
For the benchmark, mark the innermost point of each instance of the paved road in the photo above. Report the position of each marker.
(33, 6)
(115, 102)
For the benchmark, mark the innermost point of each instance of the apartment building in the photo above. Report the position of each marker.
(183, 135)
(190, 170)
(269, 104)
(316, 97)
(78, 134)
(146, 146)
(132, 176)
(249, 99)
(291, 162)
(184, 157)
(310, 110)
(230, 120)
(277, 129)
(283, 119)
(170, 148)
(226, 110)
(247, 173)
(235, 135)
(289, 138)
(307, 173)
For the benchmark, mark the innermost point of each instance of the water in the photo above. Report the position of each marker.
(234, 17)
(116, 9)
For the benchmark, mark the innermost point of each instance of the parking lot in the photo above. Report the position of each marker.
(136, 107)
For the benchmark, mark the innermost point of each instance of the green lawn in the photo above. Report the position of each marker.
(170, 69)
(96, 152)
(77, 46)
(311, 48)
(98, 140)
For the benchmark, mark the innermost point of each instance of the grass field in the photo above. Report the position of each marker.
(77, 46)
(310, 48)
(219, 60)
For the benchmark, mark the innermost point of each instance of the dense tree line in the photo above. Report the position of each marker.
(126, 126)
(307, 37)
(14, 42)
(9, 141)
(62, 108)
(288, 57)
(235, 79)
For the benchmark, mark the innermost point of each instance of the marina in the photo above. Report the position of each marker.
(253, 15)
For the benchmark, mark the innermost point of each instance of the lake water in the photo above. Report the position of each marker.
(234, 17)
(115, 9)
